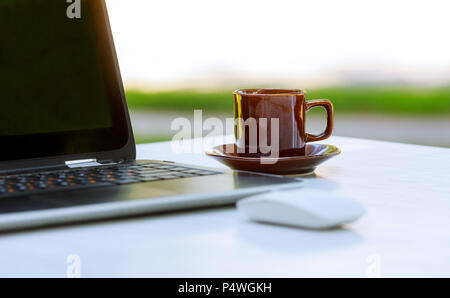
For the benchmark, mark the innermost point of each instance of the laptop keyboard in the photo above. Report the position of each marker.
(95, 177)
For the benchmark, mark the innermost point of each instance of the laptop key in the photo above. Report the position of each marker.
(126, 181)
(152, 165)
(149, 179)
(183, 175)
(166, 177)
(40, 185)
(20, 187)
(80, 181)
(162, 173)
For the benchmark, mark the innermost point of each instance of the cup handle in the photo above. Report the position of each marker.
(330, 119)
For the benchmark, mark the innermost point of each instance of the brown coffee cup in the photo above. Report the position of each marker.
(257, 112)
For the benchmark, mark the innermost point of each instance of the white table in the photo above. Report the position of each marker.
(406, 232)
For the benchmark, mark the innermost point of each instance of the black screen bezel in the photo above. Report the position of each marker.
(111, 143)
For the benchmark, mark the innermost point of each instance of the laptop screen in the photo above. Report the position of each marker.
(59, 88)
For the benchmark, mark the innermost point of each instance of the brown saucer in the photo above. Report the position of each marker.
(315, 155)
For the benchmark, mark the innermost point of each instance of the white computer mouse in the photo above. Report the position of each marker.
(304, 208)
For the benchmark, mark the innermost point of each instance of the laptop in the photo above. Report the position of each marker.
(67, 150)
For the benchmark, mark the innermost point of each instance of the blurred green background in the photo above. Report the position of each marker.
(406, 114)
(381, 100)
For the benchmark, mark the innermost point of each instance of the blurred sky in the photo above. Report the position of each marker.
(212, 43)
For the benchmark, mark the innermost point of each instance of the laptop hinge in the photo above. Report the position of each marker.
(82, 163)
